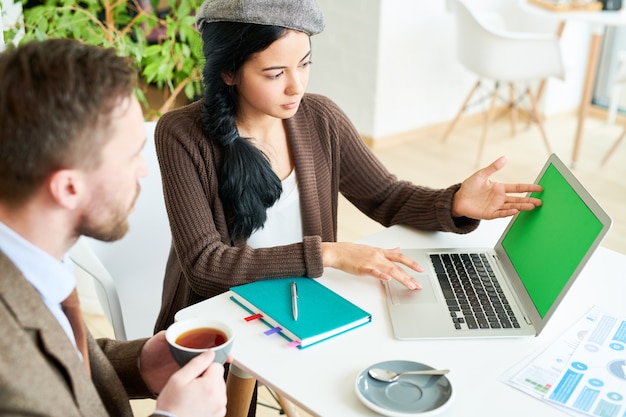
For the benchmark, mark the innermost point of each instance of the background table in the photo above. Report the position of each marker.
(321, 379)
(599, 20)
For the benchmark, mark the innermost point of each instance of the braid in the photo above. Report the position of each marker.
(247, 184)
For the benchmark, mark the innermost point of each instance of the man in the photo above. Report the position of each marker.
(71, 134)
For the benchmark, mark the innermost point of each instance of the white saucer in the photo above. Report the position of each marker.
(410, 395)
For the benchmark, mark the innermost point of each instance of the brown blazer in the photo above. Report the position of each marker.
(40, 372)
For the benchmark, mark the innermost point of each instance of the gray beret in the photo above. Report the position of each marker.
(302, 15)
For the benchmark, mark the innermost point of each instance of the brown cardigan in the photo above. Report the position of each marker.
(330, 158)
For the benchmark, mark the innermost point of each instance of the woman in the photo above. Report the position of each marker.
(252, 172)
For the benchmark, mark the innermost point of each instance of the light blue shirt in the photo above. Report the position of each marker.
(53, 279)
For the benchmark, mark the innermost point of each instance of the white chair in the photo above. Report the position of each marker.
(88, 264)
(498, 41)
(129, 272)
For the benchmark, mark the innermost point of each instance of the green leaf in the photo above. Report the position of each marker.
(173, 59)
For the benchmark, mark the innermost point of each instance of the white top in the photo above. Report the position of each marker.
(284, 223)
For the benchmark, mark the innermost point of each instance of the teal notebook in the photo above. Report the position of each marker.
(322, 313)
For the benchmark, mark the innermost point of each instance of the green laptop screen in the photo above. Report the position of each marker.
(546, 245)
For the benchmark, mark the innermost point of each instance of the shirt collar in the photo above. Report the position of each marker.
(52, 278)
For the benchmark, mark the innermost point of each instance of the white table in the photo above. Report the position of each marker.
(599, 20)
(321, 379)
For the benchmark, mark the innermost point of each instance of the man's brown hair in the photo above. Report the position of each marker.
(56, 100)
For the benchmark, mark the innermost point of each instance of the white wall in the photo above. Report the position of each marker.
(391, 65)
(419, 79)
(345, 58)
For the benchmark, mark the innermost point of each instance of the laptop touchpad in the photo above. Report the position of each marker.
(402, 295)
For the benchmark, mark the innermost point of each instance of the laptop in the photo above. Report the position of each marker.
(518, 284)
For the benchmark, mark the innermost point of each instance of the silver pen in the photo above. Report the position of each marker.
(294, 300)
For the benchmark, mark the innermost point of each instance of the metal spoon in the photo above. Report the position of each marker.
(386, 375)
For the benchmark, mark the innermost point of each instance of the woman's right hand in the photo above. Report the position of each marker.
(362, 260)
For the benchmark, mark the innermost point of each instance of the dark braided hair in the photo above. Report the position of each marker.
(247, 184)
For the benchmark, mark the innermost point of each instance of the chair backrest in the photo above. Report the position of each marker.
(88, 264)
(492, 43)
(507, 15)
(132, 268)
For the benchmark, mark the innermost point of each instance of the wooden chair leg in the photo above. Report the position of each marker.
(535, 115)
(460, 113)
(287, 406)
(239, 391)
(614, 147)
(512, 109)
(490, 114)
(540, 89)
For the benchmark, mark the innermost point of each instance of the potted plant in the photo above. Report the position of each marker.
(159, 37)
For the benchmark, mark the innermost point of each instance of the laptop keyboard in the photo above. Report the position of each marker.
(472, 292)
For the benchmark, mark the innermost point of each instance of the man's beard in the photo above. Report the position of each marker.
(113, 229)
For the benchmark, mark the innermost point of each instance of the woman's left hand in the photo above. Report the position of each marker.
(481, 198)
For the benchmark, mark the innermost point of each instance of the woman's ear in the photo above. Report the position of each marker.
(229, 78)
